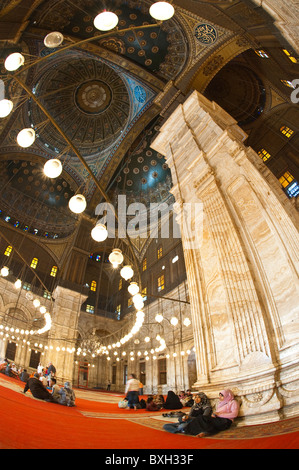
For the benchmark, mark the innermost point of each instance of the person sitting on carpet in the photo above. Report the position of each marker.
(55, 389)
(66, 395)
(159, 400)
(24, 376)
(172, 401)
(201, 407)
(151, 405)
(227, 410)
(37, 389)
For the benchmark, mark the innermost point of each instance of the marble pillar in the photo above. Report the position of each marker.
(64, 331)
(240, 242)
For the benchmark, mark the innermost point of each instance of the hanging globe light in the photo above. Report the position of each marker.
(14, 61)
(138, 301)
(36, 303)
(43, 310)
(77, 203)
(26, 137)
(105, 21)
(133, 288)
(161, 11)
(159, 317)
(127, 272)
(4, 271)
(174, 321)
(116, 257)
(53, 39)
(5, 108)
(53, 168)
(99, 233)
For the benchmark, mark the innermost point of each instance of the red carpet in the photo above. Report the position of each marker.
(31, 424)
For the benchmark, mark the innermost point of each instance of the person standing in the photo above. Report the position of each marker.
(132, 390)
(108, 385)
(140, 388)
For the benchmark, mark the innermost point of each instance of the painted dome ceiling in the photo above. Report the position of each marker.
(34, 203)
(90, 103)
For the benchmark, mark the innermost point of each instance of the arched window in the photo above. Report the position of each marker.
(93, 286)
(53, 271)
(34, 263)
(8, 251)
(285, 130)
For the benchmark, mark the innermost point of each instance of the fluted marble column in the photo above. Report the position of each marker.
(242, 262)
(64, 332)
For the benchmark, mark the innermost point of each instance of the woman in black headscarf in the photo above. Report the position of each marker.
(172, 402)
(201, 407)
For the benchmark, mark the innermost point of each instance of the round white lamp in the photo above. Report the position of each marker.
(138, 301)
(53, 39)
(14, 61)
(53, 168)
(18, 283)
(105, 21)
(116, 257)
(133, 288)
(161, 11)
(36, 303)
(127, 272)
(4, 271)
(26, 137)
(174, 321)
(77, 203)
(5, 108)
(99, 233)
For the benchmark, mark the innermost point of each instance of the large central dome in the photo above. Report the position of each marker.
(88, 100)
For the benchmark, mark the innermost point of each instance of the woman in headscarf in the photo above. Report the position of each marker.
(172, 402)
(201, 407)
(227, 409)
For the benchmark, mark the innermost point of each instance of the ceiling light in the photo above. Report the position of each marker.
(133, 288)
(116, 257)
(187, 321)
(53, 168)
(99, 233)
(77, 203)
(18, 283)
(174, 321)
(26, 137)
(161, 11)
(14, 61)
(36, 303)
(5, 108)
(127, 272)
(53, 39)
(105, 21)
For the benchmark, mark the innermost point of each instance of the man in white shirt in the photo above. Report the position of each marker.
(132, 391)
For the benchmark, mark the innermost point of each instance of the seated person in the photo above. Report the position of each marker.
(24, 376)
(227, 409)
(66, 395)
(172, 401)
(201, 407)
(37, 389)
(189, 400)
(159, 400)
(151, 405)
(54, 389)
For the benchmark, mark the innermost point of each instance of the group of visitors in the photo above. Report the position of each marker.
(42, 383)
(200, 421)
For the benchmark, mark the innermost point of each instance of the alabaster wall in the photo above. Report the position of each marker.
(242, 262)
